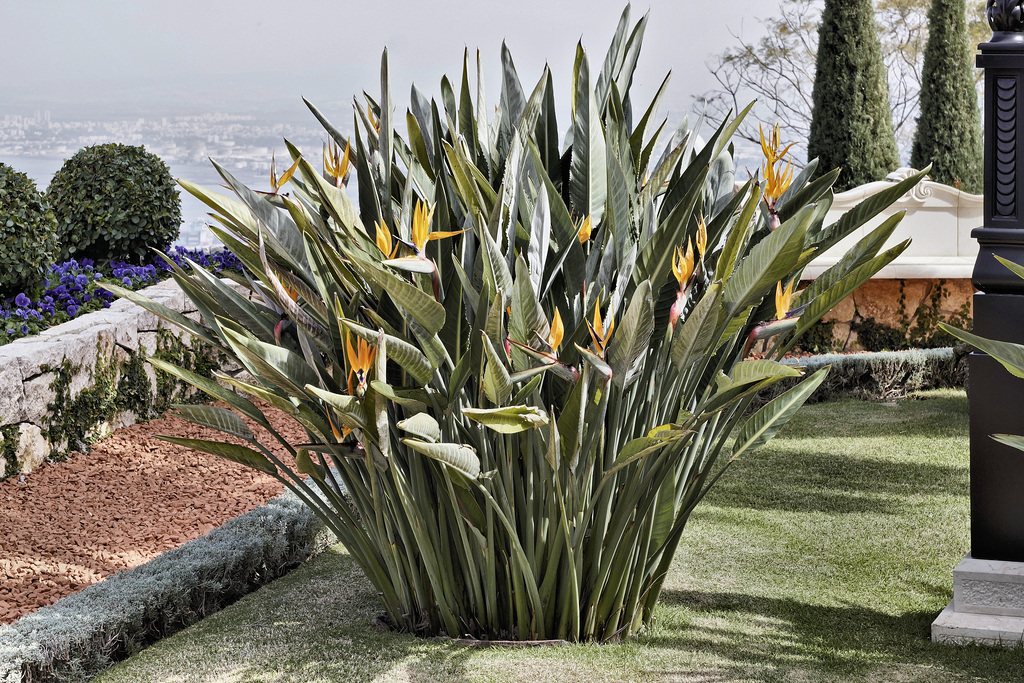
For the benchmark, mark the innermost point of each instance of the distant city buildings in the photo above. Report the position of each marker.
(236, 141)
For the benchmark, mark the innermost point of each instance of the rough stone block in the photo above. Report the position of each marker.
(843, 311)
(146, 321)
(124, 419)
(987, 605)
(880, 299)
(148, 342)
(122, 306)
(90, 343)
(32, 448)
(12, 394)
(170, 296)
(962, 628)
(151, 375)
(989, 587)
(38, 395)
(126, 331)
(31, 356)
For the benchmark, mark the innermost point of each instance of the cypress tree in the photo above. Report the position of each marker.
(948, 132)
(851, 122)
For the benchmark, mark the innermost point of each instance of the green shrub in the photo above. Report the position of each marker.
(851, 121)
(948, 134)
(519, 465)
(820, 338)
(28, 238)
(114, 201)
(881, 376)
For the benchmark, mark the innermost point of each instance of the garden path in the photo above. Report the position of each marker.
(70, 524)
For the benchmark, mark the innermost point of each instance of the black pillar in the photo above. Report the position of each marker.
(996, 397)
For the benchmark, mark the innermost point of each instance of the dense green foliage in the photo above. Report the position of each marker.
(795, 569)
(540, 353)
(949, 133)
(28, 238)
(851, 123)
(114, 201)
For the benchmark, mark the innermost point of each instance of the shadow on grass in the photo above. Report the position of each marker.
(812, 481)
(784, 639)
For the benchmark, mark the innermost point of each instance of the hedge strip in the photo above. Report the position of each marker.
(882, 376)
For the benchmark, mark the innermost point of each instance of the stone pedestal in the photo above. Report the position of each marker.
(987, 606)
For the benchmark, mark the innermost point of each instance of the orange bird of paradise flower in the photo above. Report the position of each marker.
(598, 333)
(777, 179)
(683, 269)
(360, 359)
(336, 163)
(785, 317)
(418, 262)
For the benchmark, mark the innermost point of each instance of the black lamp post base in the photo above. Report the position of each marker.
(996, 407)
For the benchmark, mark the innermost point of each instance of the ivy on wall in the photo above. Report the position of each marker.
(76, 422)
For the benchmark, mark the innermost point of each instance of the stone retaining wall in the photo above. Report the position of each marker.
(900, 302)
(77, 382)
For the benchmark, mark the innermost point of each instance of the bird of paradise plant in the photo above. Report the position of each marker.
(536, 489)
(776, 178)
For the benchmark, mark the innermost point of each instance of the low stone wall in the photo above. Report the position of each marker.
(77, 382)
(911, 303)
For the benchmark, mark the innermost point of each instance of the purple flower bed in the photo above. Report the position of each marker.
(73, 288)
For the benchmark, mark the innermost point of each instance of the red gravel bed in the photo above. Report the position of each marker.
(68, 525)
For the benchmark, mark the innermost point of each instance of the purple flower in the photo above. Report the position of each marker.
(127, 281)
(24, 329)
(10, 332)
(22, 301)
(72, 310)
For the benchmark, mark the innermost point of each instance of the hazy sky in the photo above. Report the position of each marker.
(132, 57)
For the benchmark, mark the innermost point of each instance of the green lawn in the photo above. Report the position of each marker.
(824, 557)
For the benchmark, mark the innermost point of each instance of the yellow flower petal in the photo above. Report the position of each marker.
(441, 234)
(783, 299)
(682, 264)
(384, 242)
(586, 227)
(421, 224)
(557, 331)
(702, 237)
(598, 333)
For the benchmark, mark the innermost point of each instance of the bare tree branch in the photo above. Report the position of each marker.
(778, 69)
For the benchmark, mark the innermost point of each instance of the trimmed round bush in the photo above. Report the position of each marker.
(114, 201)
(28, 238)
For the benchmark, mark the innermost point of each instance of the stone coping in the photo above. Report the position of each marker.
(908, 268)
